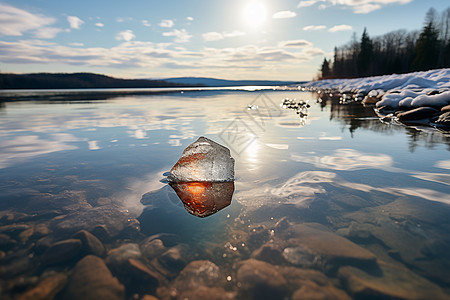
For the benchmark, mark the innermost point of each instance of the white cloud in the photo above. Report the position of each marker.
(46, 32)
(234, 33)
(215, 36)
(126, 35)
(75, 22)
(166, 23)
(190, 19)
(314, 27)
(127, 56)
(284, 14)
(307, 3)
(15, 22)
(100, 25)
(181, 36)
(146, 23)
(212, 36)
(296, 44)
(358, 6)
(76, 44)
(342, 27)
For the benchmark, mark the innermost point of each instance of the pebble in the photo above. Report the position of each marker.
(92, 280)
(46, 289)
(62, 251)
(270, 253)
(152, 248)
(171, 262)
(117, 258)
(316, 241)
(199, 273)
(91, 244)
(396, 283)
(261, 280)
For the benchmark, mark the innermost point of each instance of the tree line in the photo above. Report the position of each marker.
(398, 51)
(75, 81)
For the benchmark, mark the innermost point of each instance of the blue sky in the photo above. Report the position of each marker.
(234, 39)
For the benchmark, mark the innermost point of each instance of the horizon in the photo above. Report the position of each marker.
(236, 40)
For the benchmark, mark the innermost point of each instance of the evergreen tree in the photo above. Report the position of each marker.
(325, 69)
(427, 46)
(365, 55)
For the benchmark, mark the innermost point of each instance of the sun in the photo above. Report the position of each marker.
(255, 14)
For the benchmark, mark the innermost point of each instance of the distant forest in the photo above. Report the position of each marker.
(75, 81)
(398, 51)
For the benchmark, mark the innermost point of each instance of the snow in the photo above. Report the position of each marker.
(411, 90)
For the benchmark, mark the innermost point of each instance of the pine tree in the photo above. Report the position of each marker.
(427, 46)
(365, 55)
(325, 69)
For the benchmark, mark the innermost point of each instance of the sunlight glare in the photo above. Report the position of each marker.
(255, 14)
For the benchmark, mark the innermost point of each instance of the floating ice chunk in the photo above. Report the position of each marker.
(203, 160)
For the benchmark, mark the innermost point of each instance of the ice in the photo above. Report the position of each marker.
(203, 199)
(203, 160)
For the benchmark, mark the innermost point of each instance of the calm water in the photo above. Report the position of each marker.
(331, 205)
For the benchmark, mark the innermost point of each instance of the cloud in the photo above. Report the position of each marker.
(296, 44)
(215, 36)
(212, 36)
(126, 35)
(46, 32)
(130, 55)
(181, 36)
(307, 3)
(190, 19)
(146, 23)
(15, 22)
(314, 27)
(75, 22)
(166, 23)
(76, 44)
(342, 27)
(284, 14)
(358, 6)
(100, 25)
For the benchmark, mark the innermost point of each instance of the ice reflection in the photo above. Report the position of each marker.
(203, 199)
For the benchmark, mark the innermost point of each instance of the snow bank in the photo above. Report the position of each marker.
(430, 88)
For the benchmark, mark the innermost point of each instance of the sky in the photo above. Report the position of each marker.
(233, 39)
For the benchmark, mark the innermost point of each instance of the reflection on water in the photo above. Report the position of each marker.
(335, 206)
(203, 198)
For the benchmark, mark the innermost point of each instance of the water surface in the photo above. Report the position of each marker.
(374, 195)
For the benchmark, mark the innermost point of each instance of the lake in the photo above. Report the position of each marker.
(329, 202)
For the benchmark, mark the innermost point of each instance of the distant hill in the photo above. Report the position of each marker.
(91, 80)
(212, 82)
(75, 81)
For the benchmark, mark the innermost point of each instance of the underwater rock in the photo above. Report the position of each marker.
(46, 289)
(91, 244)
(117, 258)
(198, 273)
(395, 283)
(62, 251)
(92, 280)
(311, 291)
(203, 160)
(326, 248)
(261, 280)
(202, 199)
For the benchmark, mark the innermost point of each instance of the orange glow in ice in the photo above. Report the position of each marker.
(195, 188)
